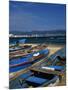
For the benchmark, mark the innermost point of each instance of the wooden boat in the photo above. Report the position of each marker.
(37, 57)
(28, 59)
(38, 47)
(39, 79)
(16, 48)
(57, 62)
(34, 79)
(17, 54)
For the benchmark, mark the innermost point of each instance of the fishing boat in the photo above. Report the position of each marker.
(17, 45)
(28, 59)
(19, 52)
(57, 61)
(14, 49)
(34, 79)
(38, 47)
(45, 74)
(41, 79)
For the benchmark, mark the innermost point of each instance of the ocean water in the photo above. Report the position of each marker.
(47, 40)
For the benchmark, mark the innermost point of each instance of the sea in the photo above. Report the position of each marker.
(48, 37)
(40, 40)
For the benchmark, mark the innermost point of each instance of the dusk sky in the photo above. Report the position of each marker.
(27, 16)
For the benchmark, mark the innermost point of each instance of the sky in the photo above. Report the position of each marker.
(30, 16)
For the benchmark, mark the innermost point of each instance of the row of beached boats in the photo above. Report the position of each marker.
(23, 49)
(27, 60)
(47, 73)
(20, 59)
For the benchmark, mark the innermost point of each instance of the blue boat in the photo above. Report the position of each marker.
(38, 78)
(41, 79)
(14, 49)
(15, 45)
(26, 61)
(34, 79)
(56, 62)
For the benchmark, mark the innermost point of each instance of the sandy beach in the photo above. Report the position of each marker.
(52, 47)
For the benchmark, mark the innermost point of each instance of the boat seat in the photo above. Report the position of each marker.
(33, 80)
